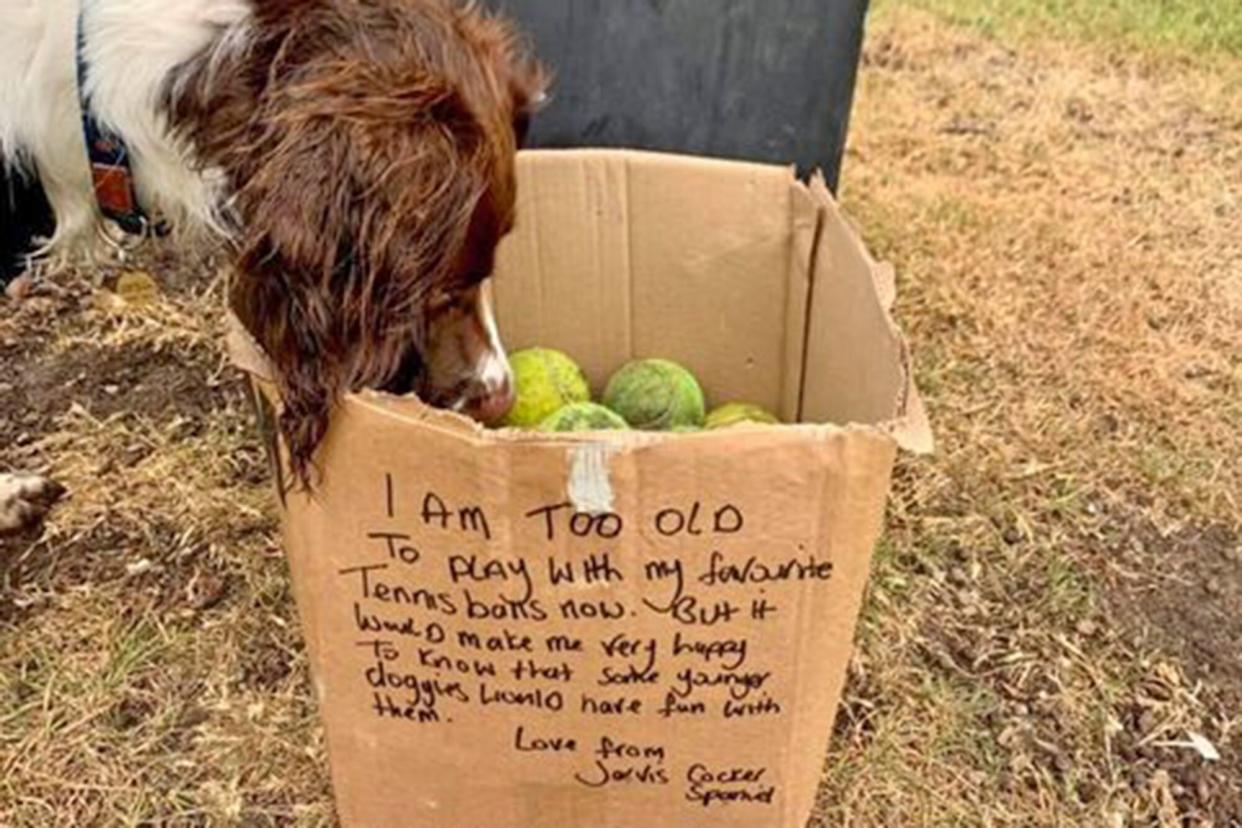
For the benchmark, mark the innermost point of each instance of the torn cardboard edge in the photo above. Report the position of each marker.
(824, 239)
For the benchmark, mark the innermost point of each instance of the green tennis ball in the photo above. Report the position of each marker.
(736, 413)
(584, 417)
(656, 395)
(546, 381)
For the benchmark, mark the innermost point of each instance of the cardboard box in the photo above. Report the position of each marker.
(510, 629)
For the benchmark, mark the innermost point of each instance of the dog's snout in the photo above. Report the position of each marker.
(493, 401)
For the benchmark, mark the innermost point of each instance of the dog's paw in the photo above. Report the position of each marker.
(25, 499)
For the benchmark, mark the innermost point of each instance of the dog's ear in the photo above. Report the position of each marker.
(357, 192)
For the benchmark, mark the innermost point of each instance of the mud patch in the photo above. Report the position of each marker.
(139, 380)
(161, 571)
(1185, 601)
(155, 384)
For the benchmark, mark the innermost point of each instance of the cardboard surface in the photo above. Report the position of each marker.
(510, 629)
(625, 254)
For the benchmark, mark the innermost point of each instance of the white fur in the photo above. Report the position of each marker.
(23, 499)
(133, 46)
(493, 369)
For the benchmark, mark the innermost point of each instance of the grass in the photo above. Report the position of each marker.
(1067, 241)
(1188, 28)
(1050, 607)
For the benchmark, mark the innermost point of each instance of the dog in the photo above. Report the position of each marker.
(356, 157)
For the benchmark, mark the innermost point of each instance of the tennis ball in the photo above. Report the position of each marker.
(656, 395)
(736, 413)
(584, 417)
(546, 381)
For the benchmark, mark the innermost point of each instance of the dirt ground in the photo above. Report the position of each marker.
(1055, 615)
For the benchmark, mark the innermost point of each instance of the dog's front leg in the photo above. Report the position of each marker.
(25, 499)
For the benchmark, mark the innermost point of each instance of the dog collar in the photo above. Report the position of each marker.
(112, 176)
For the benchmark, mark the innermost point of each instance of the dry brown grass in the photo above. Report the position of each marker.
(1067, 228)
(149, 659)
(1068, 231)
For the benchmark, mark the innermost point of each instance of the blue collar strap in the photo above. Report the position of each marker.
(111, 173)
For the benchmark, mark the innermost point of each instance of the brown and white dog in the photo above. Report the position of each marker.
(356, 155)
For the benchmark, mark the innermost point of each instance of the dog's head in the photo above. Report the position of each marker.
(370, 151)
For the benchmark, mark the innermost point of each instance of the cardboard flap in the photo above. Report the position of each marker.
(886, 285)
(244, 352)
(485, 655)
(620, 255)
(858, 367)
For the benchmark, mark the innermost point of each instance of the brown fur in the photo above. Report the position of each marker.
(370, 145)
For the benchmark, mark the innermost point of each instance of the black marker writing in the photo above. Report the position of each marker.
(579, 524)
(727, 520)
(478, 569)
(398, 546)
(470, 519)
(373, 587)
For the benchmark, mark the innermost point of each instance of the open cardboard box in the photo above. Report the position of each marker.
(514, 629)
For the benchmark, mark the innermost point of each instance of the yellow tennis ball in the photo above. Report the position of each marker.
(545, 381)
(656, 395)
(584, 417)
(733, 414)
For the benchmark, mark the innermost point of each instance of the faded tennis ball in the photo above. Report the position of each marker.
(546, 381)
(584, 417)
(656, 395)
(733, 414)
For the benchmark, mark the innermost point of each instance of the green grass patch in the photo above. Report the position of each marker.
(1199, 28)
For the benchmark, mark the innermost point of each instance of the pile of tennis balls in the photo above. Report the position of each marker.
(553, 395)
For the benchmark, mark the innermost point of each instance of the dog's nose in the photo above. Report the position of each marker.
(491, 406)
